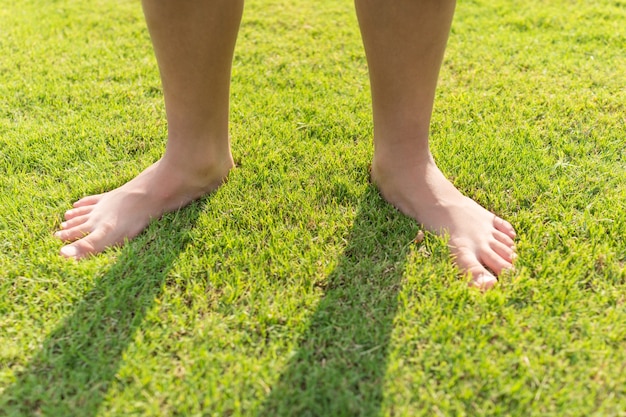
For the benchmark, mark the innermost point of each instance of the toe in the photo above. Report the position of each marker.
(483, 282)
(495, 262)
(503, 238)
(504, 226)
(73, 222)
(69, 251)
(88, 201)
(79, 211)
(74, 233)
(505, 252)
(93, 243)
(481, 278)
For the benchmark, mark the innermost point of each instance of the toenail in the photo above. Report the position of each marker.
(69, 251)
(483, 281)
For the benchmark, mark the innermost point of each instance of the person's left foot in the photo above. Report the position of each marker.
(479, 241)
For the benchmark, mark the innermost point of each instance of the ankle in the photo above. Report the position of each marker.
(205, 167)
(391, 164)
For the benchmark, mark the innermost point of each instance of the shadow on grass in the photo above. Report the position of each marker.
(339, 366)
(72, 372)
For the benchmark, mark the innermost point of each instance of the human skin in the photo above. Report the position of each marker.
(194, 42)
(405, 42)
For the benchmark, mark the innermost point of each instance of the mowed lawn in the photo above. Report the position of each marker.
(295, 290)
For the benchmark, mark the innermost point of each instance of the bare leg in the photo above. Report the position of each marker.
(404, 43)
(194, 42)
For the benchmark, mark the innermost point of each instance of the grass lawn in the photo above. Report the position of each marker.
(294, 290)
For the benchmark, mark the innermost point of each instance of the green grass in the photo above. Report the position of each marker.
(294, 289)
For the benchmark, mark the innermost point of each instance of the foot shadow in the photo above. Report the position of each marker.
(73, 371)
(340, 363)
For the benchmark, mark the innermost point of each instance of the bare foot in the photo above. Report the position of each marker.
(100, 221)
(478, 239)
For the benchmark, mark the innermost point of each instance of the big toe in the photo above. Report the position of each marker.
(484, 281)
(468, 262)
(93, 243)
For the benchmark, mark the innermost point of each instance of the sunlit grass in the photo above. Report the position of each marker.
(294, 289)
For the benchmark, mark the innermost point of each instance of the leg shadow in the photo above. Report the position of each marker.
(339, 366)
(73, 371)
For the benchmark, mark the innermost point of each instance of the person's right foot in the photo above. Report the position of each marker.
(99, 221)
